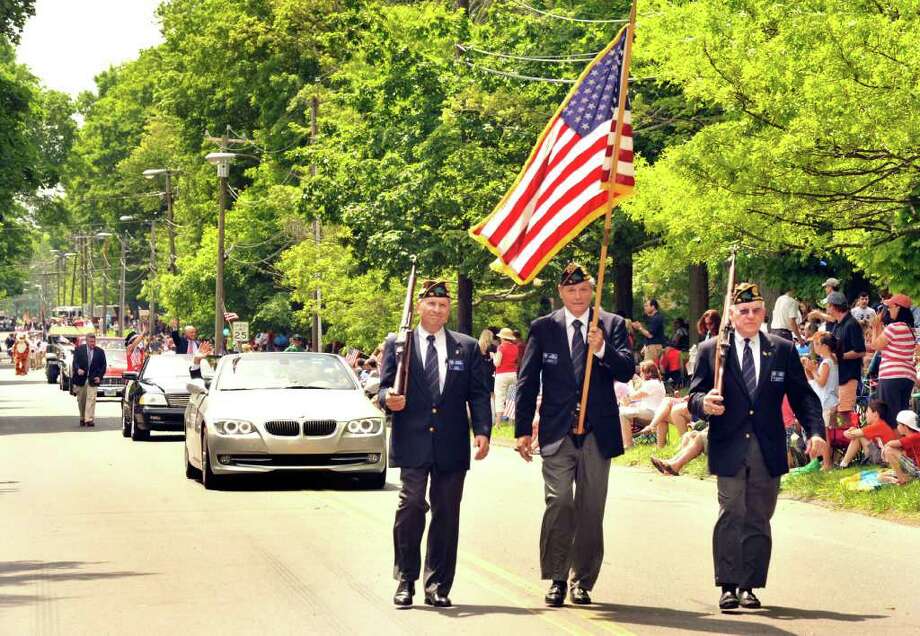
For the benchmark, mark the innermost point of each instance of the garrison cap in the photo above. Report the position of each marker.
(434, 289)
(746, 293)
(573, 274)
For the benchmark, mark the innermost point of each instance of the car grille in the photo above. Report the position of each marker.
(318, 428)
(113, 381)
(341, 459)
(177, 399)
(283, 428)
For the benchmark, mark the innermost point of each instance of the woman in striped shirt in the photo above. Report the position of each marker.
(893, 336)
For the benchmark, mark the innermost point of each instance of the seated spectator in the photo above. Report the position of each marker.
(674, 411)
(903, 455)
(870, 439)
(670, 366)
(642, 402)
(681, 338)
(693, 443)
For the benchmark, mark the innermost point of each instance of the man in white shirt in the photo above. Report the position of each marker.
(861, 311)
(786, 317)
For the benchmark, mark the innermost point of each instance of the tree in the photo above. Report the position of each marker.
(13, 16)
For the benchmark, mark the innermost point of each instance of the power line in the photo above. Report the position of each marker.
(558, 59)
(529, 78)
(556, 16)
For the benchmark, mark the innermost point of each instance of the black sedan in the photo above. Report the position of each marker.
(156, 396)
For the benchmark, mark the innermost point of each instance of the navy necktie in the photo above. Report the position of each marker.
(579, 351)
(432, 373)
(748, 370)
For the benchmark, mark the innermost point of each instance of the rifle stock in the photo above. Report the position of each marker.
(403, 343)
(725, 329)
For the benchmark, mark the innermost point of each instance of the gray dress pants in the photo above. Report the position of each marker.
(445, 492)
(572, 535)
(741, 541)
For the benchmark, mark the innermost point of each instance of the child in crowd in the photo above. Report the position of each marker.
(903, 455)
(871, 438)
(642, 403)
(824, 380)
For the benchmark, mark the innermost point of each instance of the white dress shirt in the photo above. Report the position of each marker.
(440, 345)
(89, 358)
(570, 330)
(755, 349)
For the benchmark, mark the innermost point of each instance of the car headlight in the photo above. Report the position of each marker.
(234, 427)
(152, 399)
(366, 426)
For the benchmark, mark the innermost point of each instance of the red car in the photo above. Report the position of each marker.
(113, 382)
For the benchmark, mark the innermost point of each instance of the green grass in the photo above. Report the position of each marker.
(896, 501)
(900, 502)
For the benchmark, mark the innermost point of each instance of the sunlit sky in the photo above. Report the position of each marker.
(68, 42)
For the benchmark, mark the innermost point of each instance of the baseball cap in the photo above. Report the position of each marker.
(833, 282)
(837, 298)
(901, 300)
(909, 419)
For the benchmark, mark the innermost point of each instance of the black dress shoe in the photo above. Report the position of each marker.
(555, 597)
(580, 595)
(82, 423)
(728, 600)
(404, 593)
(748, 600)
(90, 423)
(436, 599)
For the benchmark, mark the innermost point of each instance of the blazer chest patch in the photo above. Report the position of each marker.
(455, 365)
(777, 376)
(550, 358)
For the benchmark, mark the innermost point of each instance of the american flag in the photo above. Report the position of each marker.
(229, 316)
(352, 356)
(565, 184)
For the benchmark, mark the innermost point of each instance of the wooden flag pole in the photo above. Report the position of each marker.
(608, 211)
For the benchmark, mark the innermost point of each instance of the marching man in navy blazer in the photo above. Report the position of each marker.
(575, 467)
(747, 441)
(447, 395)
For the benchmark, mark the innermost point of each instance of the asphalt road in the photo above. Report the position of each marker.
(101, 535)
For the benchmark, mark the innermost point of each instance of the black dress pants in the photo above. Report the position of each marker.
(445, 490)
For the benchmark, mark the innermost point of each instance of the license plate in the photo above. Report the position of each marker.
(109, 392)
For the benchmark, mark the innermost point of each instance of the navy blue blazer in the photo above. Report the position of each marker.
(436, 431)
(95, 372)
(781, 374)
(547, 360)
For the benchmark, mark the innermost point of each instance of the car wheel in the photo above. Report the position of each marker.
(190, 471)
(139, 435)
(208, 479)
(125, 424)
(373, 481)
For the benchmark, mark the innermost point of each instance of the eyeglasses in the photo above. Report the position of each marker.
(749, 311)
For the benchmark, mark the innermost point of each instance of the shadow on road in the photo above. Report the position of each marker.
(16, 573)
(54, 424)
(689, 621)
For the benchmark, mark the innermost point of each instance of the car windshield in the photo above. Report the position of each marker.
(110, 344)
(116, 357)
(284, 371)
(168, 366)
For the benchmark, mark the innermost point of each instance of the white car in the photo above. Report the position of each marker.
(265, 412)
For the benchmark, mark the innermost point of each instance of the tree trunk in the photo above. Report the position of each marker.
(699, 297)
(465, 304)
(623, 284)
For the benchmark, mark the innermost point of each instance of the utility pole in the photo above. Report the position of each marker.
(317, 335)
(73, 280)
(152, 173)
(121, 295)
(222, 160)
(83, 273)
(90, 278)
(152, 316)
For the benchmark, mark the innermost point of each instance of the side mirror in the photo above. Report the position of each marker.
(196, 388)
(129, 375)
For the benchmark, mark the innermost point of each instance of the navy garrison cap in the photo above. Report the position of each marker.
(434, 289)
(573, 274)
(746, 293)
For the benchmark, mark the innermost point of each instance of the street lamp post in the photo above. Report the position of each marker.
(222, 160)
(121, 290)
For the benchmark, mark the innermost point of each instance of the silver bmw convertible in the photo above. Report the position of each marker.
(264, 412)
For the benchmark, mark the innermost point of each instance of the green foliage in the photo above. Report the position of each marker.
(13, 15)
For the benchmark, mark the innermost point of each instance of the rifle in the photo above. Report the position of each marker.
(403, 343)
(725, 329)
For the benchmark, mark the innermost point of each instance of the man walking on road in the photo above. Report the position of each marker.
(447, 394)
(747, 449)
(89, 366)
(575, 467)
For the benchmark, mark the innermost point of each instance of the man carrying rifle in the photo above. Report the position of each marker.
(747, 443)
(575, 467)
(446, 393)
